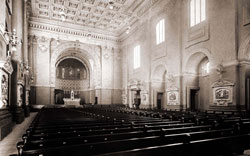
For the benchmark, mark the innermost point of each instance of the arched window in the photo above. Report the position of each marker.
(160, 31)
(197, 11)
(137, 55)
(206, 68)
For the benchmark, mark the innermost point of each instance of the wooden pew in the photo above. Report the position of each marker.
(134, 143)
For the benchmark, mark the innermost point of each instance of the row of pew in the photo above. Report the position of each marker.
(112, 131)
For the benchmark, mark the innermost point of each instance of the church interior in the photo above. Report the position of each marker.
(125, 77)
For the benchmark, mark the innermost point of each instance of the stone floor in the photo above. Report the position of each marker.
(8, 144)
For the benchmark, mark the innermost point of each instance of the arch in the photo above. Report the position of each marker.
(193, 60)
(244, 50)
(76, 58)
(89, 55)
(159, 69)
(86, 64)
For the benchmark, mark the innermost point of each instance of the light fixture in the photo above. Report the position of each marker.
(89, 35)
(13, 40)
(57, 40)
(111, 4)
(62, 15)
(128, 29)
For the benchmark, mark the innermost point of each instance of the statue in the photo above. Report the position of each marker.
(219, 70)
(72, 95)
(63, 72)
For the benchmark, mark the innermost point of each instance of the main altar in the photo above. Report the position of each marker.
(72, 100)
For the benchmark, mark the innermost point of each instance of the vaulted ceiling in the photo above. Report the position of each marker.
(94, 14)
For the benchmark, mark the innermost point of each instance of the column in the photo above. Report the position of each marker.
(25, 58)
(17, 79)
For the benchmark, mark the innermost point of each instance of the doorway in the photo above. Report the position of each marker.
(194, 99)
(159, 100)
(59, 95)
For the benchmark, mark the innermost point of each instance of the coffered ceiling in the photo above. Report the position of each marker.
(94, 14)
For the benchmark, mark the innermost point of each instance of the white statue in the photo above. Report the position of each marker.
(72, 95)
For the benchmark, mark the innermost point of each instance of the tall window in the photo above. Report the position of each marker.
(197, 11)
(160, 31)
(137, 59)
(206, 68)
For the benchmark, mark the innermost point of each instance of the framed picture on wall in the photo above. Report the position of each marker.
(172, 97)
(222, 96)
(222, 92)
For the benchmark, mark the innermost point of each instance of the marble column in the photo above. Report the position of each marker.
(17, 80)
(25, 58)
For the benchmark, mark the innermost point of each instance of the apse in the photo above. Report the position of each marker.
(71, 75)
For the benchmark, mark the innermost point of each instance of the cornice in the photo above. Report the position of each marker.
(70, 31)
(72, 26)
(143, 15)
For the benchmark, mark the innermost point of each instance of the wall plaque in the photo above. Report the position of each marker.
(173, 96)
(222, 92)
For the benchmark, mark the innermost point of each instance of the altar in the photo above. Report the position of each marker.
(69, 101)
(72, 100)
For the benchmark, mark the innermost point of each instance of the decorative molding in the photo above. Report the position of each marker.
(94, 14)
(222, 92)
(222, 83)
(246, 12)
(198, 33)
(144, 97)
(4, 89)
(160, 51)
(6, 65)
(43, 47)
(20, 95)
(106, 56)
(191, 59)
(135, 84)
(86, 53)
(57, 29)
(3, 34)
(173, 95)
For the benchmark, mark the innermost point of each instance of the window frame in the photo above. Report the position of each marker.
(137, 57)
(206, 68)
(202, 12)
(160, 31)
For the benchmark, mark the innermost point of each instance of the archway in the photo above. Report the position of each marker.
(72, 74)
(196, 78)
(88, 55)
(158, 86)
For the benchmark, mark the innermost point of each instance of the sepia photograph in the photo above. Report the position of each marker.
(125, 77)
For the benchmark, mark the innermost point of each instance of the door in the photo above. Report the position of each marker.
(194, 99)
(159, 100)
(59, 95)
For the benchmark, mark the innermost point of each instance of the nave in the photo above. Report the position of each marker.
(92, 130)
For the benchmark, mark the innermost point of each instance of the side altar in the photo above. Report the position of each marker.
(72, 100)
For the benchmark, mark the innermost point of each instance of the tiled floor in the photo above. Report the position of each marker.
(8, 144)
